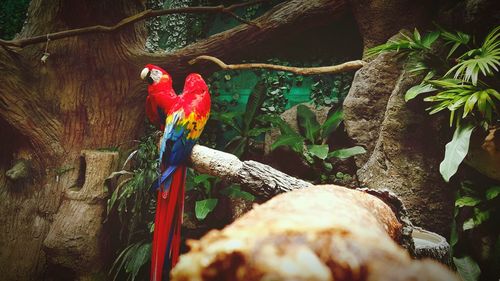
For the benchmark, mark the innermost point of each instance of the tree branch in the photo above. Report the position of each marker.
(291, 17)
(131, 20)
(344, 67)
(257, 178)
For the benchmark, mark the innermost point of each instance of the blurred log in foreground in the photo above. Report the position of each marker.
(318, 233)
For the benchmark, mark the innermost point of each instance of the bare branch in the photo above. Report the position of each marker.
(294, 16)
(259, 179)
(131, 20)
(344, 67)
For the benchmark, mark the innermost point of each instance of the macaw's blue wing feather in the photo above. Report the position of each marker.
(163, 178)
(175, 147)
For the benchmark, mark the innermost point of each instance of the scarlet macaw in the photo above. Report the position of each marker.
(183, 118)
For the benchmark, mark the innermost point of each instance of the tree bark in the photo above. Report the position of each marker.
(319, 233)
(240, 42)
(256, 177)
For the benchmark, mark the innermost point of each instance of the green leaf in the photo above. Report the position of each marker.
(255, 101)
(235, 191)
(467, 201)
(347, 152)
(480, 216)
(320, 151)
(139, 258)
(429, 38)
(467, 268)
(308, 123)
(228, 118)
(331, 123)
(455, 151)
(295, 142)
(277, 121)
(203, 207)
(417, 90)
(257, 131)
(202, 178)
(237, 146)
(492, 192)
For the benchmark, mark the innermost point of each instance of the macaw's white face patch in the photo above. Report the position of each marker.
(155, 75)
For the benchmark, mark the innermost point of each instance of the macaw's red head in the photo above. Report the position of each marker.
(157, 78)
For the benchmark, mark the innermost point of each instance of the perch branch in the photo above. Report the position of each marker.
(131, 20)
(258, 178)
(344, 67)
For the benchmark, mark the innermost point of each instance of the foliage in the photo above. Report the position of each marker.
(12, 17)
(310, 142)
(244, 124)
(464, 85)
(132, 259)
(206, 190)
(455, 151)
(475, 219)
(133, 202)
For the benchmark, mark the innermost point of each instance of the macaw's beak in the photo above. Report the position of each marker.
(145, 73)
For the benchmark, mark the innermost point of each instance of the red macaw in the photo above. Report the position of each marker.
(183, 118)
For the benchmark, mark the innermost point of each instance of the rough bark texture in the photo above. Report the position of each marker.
(77, 238)
(260, 179)
(87, 96)
(240, 42)
(405, 144)
(322, 233)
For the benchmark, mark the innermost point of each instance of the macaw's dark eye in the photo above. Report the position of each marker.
(150, 80)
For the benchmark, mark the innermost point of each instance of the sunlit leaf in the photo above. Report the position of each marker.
(347, 152)
(455, 151)
(203, 207)
(492, 192)
(320, 151)
(417, 90)
(467, 201)
(430, 38)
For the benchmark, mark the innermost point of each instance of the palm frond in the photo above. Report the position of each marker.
(484, 60)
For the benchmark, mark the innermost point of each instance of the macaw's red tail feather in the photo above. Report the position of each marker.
(168, 220)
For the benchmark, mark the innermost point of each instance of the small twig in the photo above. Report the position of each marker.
(344, 67)
(133, 19)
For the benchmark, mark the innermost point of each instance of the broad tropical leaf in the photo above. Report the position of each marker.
(467, 268)
(295, 142)
(308, 123)
(331, 123)
(255, 101)
(320, 151)
(456, 150)
(203, 207)
(347, 152)
(235, 191)
(492, 192)
(467, 201)
(414, 91)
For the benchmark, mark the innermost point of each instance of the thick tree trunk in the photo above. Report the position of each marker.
(88, 96)
(320, 233)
